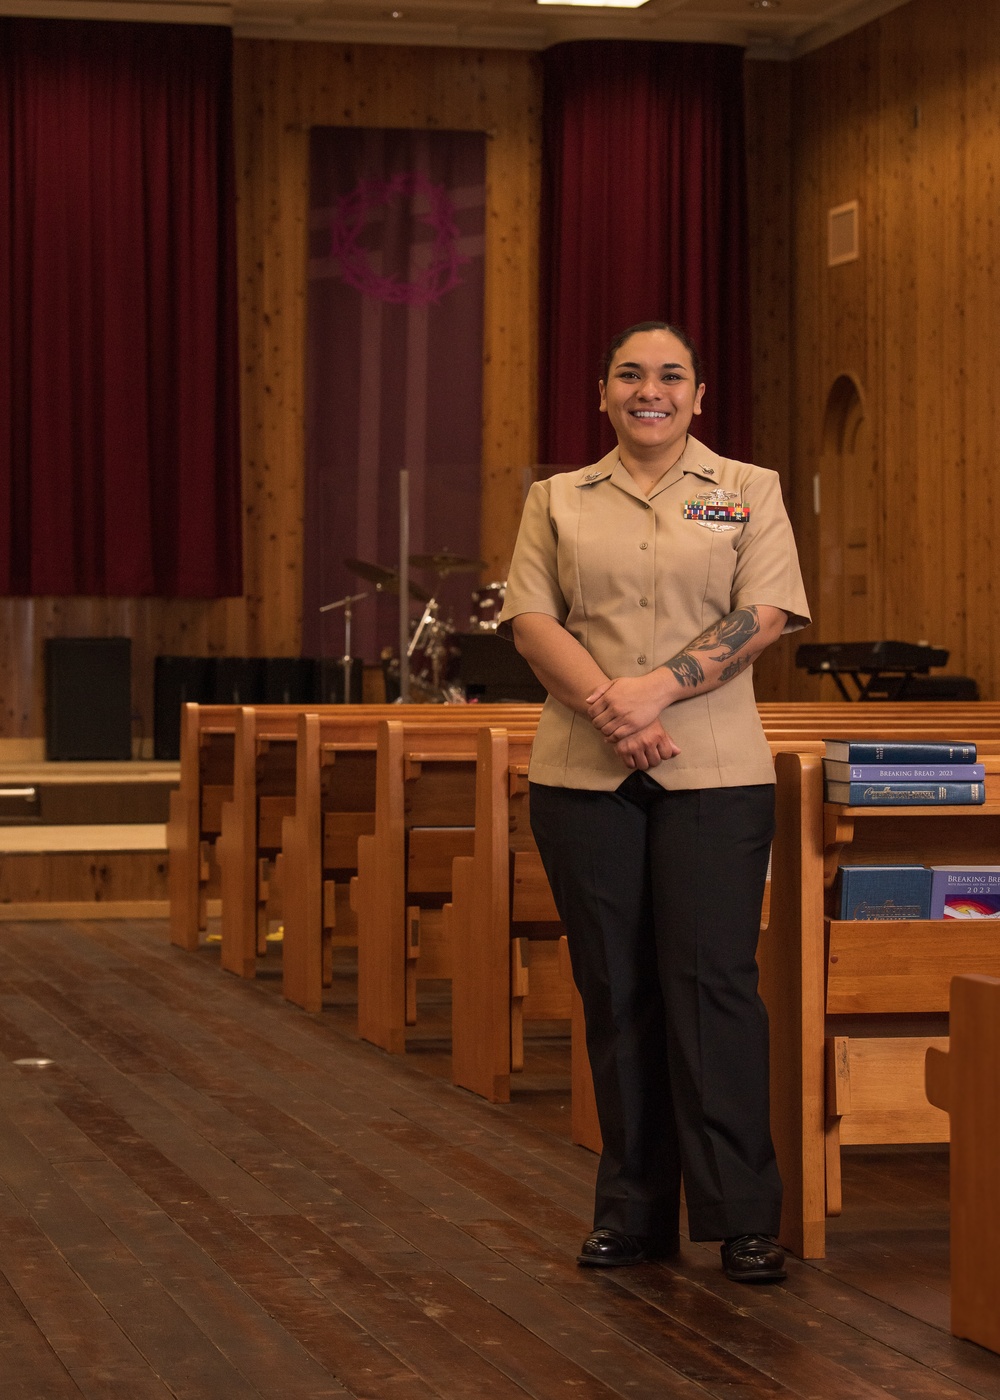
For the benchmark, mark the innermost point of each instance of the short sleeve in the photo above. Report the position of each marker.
(767, 568)
(533, 581)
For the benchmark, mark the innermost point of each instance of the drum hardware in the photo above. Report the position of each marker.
(386, 580)
(430, 651)
(487, 605)
(345, 661)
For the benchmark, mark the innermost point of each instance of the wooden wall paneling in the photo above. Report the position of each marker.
(833, 317)
(510, 399)
(17, 668)
(940, 425)
(902, 115)
(768, 90)
(271, 155)
(895, 392)
(930, 474)
(980, 311)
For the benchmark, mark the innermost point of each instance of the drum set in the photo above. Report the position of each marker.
(432, 653)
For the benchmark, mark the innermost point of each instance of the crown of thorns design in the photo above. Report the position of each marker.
(432, 207)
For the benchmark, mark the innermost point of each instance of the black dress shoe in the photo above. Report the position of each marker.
(753, 1259)
(611, 1249)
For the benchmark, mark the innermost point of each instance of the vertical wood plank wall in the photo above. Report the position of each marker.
(281, 89)
(904, 116)
(768, 88)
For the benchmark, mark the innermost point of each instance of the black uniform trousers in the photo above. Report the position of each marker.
(660, 892)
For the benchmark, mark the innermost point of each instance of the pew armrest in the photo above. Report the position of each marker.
(937, 1071)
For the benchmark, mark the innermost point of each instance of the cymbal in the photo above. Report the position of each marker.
(444, 562)
(386, 580)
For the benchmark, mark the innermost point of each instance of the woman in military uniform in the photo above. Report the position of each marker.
(641, 590)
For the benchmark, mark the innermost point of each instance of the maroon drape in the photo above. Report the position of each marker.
(119, 436)
(644, 218)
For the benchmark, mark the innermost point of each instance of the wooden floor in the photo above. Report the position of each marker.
(209, 1194)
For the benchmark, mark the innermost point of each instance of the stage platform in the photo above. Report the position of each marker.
(87, 838)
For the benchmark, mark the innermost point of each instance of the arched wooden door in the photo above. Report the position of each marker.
(851, 604)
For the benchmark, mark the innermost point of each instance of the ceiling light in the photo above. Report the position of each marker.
(764, 4)
(597, 4)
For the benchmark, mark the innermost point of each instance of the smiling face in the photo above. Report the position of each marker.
(650, 396)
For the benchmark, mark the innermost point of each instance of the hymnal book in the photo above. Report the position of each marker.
(906, 794)
(965, 891)
(883, 892)
(898, 751)
(903, 772)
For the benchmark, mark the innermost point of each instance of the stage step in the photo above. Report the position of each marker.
(77, 871)
(60, 794)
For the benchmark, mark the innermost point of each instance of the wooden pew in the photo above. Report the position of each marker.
(424, 817)
(207, 780)
(964, 1081)
(207, 748)
(840, 1072)
(195, 818)
(505, 927)
(206, 759)
(249, 841)
(334, 806)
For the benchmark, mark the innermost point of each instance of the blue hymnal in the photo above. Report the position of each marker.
(884, 892)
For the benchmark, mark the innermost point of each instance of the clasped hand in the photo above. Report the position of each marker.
(627, 713)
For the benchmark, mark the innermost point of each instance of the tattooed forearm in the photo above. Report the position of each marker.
(722, 640)
(729, 635)
(686, 668)
(734, 668)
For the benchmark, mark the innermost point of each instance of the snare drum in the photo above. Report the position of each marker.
(487, 604)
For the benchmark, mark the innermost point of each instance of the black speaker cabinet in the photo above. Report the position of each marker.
(289, 680)
(239, 680)
(176, 681)
(88, 698)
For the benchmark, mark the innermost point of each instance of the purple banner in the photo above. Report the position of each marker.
(393, 372)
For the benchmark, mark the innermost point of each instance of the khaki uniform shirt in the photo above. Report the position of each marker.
(635, 579)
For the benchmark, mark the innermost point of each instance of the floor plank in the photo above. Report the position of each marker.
(209, 1194)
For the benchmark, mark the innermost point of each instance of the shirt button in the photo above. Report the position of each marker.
(644, 602)
(644, 546)
(641, 660)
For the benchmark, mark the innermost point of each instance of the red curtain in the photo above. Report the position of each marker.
(119, 435)
(644, 218)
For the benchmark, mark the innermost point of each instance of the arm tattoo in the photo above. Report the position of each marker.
(734, 668)
(730, 633)
(686, 668)
(724, 639)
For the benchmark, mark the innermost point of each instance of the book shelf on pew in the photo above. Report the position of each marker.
(888, 982)
(854, 1005)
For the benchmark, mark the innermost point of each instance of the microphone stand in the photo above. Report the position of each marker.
(346, 661)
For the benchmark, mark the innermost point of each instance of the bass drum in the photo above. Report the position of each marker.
(487, 605)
